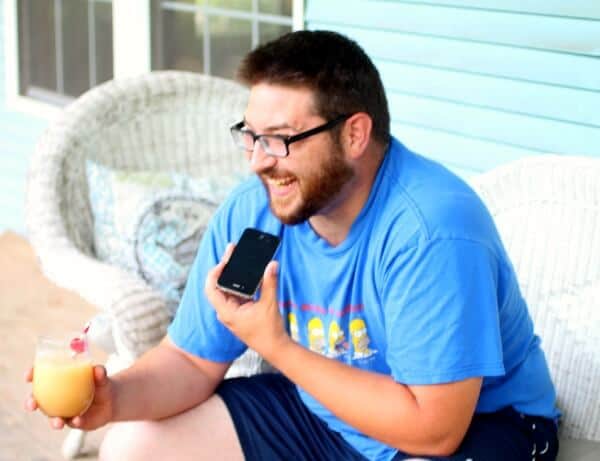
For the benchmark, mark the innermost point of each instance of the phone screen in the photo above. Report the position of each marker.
(244, 270)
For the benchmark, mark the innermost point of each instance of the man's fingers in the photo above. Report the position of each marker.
(57, 423)
(228, 250)
(31, 404)
(224, 303)
(210, 285)
(99, 375)
(215, 272)
(29, 375)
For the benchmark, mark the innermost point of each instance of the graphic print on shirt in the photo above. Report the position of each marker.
(316, 335)
(337, 344)
(360, 339)
(293, 323)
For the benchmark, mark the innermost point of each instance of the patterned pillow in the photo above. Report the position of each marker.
(152, 222)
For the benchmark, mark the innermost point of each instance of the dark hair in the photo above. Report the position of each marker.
(336, 68)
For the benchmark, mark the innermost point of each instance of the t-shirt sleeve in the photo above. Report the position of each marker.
(195, 327)
(441, 311)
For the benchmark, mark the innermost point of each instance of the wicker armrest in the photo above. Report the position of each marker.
(138, 313)
(547, 210)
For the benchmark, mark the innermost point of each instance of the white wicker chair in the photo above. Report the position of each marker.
(547, 209)
(167, 121)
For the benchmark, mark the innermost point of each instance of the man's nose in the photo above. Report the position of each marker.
(259, 159)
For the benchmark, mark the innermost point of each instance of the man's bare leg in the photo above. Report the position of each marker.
(205, 432)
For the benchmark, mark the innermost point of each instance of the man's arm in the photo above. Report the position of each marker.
(431, 419)
(164, 382)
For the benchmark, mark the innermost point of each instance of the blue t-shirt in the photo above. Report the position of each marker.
(421, 289)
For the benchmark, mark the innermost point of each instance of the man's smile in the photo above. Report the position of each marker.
(280, 186)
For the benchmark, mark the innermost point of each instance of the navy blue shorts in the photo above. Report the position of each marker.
(272, 423)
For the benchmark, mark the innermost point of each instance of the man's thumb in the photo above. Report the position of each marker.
(99, 375)
(269, 285)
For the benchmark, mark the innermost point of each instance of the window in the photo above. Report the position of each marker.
(212, 36)
(57, 49)
(65, 47)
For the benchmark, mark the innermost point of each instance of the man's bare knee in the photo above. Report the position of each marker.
(131, 441)
(205, 432)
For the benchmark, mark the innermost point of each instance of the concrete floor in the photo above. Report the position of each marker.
(30, 305)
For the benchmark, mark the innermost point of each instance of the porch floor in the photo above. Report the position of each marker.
(31, 305)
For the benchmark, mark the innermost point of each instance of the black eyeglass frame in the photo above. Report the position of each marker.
(287, 140)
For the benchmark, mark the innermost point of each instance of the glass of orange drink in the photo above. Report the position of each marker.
(63, 376)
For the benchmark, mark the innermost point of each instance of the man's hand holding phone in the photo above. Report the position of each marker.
(245, 267)
(257, 323)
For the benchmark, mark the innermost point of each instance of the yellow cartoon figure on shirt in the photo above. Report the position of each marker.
(337, 340)
(360, 339)
(293, 322)
(316, 335)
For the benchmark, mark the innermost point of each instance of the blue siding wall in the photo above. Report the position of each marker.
(476, 83)
(472, 83)
(18, 134)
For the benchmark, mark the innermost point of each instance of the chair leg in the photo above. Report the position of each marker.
(73, 443)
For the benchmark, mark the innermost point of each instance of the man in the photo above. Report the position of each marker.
(391, 309)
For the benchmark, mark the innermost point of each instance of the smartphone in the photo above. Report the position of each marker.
(243, 272)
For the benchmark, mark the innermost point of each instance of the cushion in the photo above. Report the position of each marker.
(152, 222)
(578, 450)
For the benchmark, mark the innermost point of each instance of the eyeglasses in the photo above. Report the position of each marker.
(276, 145)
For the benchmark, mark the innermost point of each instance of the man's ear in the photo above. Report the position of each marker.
(357, 134)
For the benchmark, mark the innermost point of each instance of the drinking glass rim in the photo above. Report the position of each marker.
(60, 343)
(64, 337)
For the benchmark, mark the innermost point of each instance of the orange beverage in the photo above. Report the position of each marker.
(63, 377)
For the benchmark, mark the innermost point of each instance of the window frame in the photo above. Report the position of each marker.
(132, 24)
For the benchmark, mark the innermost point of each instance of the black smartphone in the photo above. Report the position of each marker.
(243, 272)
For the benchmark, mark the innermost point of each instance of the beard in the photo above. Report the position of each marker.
(317, 189)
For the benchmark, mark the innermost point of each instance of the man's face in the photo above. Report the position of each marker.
(308, 180)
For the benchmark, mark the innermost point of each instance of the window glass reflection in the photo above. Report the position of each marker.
(230, 41)
(212, 36)
(270, 32)
(183, 45)
(282, 7)
(65, 47)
